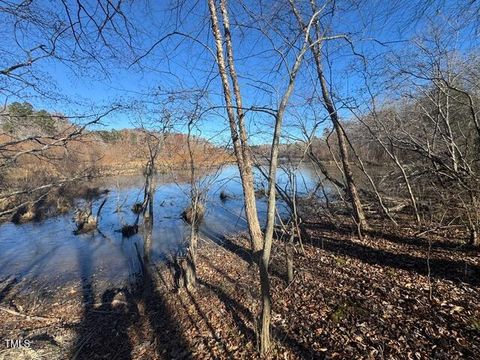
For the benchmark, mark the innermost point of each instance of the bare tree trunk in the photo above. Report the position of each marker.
(391, 153)
(474, 236)
(272, 175)
(372, 183)
(298, 227)
(410, 191)
(314, 158)
(191, 262)
(237, 128)
(242, 152)
(265, 318)
(358, 213)
(291, 202)
(289, 256)
(147, 286)
(474, 221)
(147, 247)
(248, 188)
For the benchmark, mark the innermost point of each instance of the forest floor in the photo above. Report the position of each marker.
(350, 299)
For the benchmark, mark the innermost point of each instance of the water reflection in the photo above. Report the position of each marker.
(49, 252)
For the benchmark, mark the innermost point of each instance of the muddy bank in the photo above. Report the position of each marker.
(55, 197)
(54, 202)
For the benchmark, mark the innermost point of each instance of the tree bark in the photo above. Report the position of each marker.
(358, 213)
(237, 126)
(357, 208)
(473, 236)
(289, 256)
(261, 247)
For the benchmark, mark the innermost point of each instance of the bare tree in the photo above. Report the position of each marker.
(316, 41)
(431, 132)
(262, 247)
(80, 35)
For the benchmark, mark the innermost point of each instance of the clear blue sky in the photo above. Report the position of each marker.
(178, 64)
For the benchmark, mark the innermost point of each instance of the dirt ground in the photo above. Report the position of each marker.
(350, 299)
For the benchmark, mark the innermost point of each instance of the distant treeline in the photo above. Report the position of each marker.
(21, 119)
(40, 152)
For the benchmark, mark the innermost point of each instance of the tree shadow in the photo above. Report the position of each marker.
(237, 310)
(210, 327)
(420, 242)
(453, 270)
(169, 340)
(394, 236)
(103, 330)
(242, 252)
(224, 273)
(8, 288)
(167, 335)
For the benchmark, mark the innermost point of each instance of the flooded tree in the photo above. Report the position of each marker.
(201, 178)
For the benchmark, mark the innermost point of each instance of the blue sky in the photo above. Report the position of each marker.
(179, 64)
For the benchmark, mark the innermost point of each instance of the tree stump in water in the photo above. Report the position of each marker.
(84, 220)
(224, 196)
(137, 208)
(24, 214)
(188, 214)
(129, 230)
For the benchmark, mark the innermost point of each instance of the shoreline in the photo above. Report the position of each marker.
(343, 288)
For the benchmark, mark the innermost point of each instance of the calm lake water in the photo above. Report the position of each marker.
(48, 253)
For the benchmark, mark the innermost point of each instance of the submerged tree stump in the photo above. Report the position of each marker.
(188, 214)
(137, 208)
(129, 230)
(84, 220)
(24, 214)
(224, 196)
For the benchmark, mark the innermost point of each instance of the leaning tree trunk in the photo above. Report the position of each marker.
(358, 213)
(356, 203)
(289, 256)
(237, 128)
(268, 239)
(261, 247)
